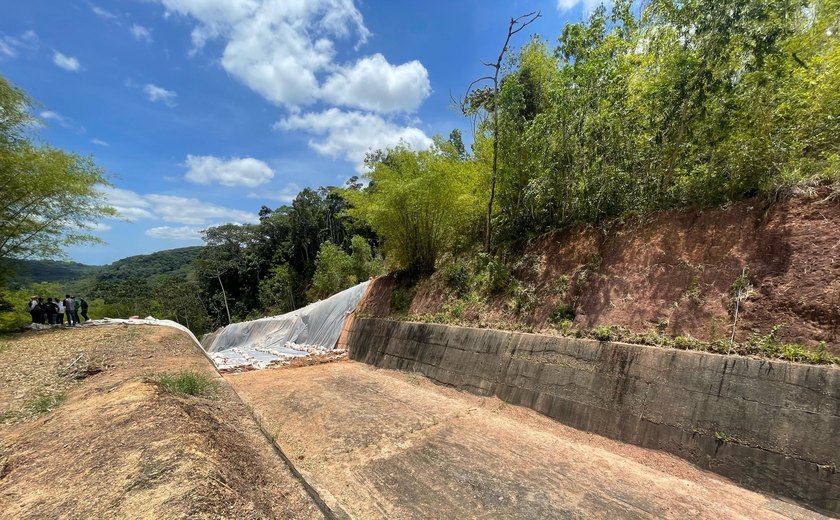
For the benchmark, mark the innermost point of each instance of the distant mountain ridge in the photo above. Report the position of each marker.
(166, 262)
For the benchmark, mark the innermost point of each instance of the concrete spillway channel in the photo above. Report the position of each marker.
(436, 435)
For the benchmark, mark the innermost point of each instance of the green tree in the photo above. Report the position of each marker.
(420, 203)
(333, 272)
(277, 291)
(49, 199)
(364, 265)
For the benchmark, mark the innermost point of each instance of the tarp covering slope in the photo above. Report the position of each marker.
(259, 343)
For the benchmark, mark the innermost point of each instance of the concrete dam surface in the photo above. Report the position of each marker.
(382, 444)
(770, 426)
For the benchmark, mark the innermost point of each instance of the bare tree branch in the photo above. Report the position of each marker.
(516, 25)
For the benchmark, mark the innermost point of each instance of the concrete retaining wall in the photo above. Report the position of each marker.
(768, 425)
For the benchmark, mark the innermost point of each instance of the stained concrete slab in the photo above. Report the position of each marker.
(769, 425)
(388, 444)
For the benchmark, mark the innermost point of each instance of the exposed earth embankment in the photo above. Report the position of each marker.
(672, 273)
(88, 432)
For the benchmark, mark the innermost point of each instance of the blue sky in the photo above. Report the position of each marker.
(204, 110)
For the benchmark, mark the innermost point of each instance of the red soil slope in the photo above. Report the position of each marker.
(674, 271)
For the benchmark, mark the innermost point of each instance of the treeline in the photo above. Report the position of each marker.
(689, 103)
(684, 104)
(297, 254)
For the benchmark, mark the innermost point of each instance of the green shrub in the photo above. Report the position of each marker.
(563, 312)
(333, 272)
(603, 333)
(401, 298)
(499, 279)
(456, 275)
(188, 383)
(566, 327)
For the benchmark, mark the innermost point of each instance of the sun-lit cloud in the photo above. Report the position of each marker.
(175, 233)
(49, 115)
(351, 135)
(285, 51)
(141, 33)
(374, 84)
(173, 209)
(97, 226)
(588, 5)
(103, 13)
(69, 63)
(155, 93)
(99, 142)
(11, 46)
(235, 171)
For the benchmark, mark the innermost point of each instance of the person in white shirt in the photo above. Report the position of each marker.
(70, 306)
(60, 317)
(33, 305)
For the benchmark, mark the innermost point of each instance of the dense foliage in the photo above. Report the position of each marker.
(49, 198)
(421, 203)
(690, 103)
(296, 254)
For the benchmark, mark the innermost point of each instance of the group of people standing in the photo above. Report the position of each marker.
(54, 312)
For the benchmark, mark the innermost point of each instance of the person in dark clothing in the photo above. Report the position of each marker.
(51, 310)
(39, 311)
(84, 305)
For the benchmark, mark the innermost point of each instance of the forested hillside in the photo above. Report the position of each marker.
(27, 272)
(116, 289)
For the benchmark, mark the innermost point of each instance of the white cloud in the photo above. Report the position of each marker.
(588, 5)
(351, 135)
(156, 93)
(141, 33)
(7, 50)
(129, 205)
(285, 195)
(175, 233)
(99, 142)
(10, 46)
(49, 115)
(193, 212)
(228, 172)
(186, 211)
(69, 63)
(102, 13)
(285, 50)
(97, 226)
(278, 48)
(374, 84)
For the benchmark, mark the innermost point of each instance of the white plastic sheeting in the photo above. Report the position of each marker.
(313, 329)
(149, 320)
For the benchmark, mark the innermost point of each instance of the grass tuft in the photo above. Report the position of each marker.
(46, 402)
(189, 383)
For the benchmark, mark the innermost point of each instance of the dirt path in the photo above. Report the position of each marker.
(85, 432)
(392, 445)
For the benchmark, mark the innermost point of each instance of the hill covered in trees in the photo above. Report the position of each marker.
(75, 274)
(27, 272)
